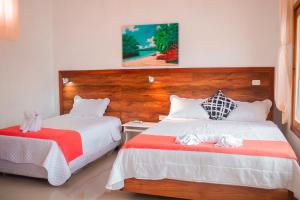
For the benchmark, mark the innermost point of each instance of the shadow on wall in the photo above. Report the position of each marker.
(277, 120)
(290, 136)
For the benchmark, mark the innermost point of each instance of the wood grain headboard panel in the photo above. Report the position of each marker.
(133, 97)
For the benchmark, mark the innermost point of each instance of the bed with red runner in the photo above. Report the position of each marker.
(64, 145)
(265, 160)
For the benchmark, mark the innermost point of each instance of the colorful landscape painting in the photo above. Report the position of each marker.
(150, 45)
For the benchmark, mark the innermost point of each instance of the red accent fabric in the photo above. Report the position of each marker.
(278, 149)
(69, 141)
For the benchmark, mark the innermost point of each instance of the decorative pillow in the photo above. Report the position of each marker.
(219, 106)
(89, 107)
(257, 111)
(187, 108)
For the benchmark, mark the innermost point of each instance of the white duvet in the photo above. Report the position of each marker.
(242, 170)
(39, 158)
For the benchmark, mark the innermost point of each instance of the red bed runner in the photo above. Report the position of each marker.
(69, 141)
(279, 149)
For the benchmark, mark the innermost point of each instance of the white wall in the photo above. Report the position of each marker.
(232, 33)
(26, 66)
(87, 33)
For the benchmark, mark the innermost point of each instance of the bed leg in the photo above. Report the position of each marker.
(118, 148)
(291, 196)
(110, 152)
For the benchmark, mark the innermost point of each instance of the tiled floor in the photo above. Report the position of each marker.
(87, 184)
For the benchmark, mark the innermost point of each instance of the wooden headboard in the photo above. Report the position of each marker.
(133, 97)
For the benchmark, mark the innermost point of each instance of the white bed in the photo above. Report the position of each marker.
(232, 169)
(43, 158)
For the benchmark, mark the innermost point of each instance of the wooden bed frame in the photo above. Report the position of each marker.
(133, 97)
(203, 191)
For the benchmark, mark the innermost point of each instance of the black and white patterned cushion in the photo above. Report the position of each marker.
(218, 106)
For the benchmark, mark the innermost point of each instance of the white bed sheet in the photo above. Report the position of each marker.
(43, 158)
(242, 170)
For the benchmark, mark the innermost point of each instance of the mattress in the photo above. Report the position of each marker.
(43, 158)
(208, 167)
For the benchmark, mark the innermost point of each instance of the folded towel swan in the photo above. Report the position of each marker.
(218, 140)
(32, 122)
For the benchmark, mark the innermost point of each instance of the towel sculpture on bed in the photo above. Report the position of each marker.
(32, 122)
(218, 140)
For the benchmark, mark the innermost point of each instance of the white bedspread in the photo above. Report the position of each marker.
(96, 134)
(242, 170)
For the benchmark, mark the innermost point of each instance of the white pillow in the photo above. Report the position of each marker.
(257, 111)
(89, 107)
(187, 108)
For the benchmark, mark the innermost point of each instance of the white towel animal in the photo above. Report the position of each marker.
(218, 140)
(32, 122)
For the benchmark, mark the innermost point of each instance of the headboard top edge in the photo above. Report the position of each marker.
(265, 68)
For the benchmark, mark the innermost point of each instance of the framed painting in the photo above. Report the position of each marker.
(150, 45)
